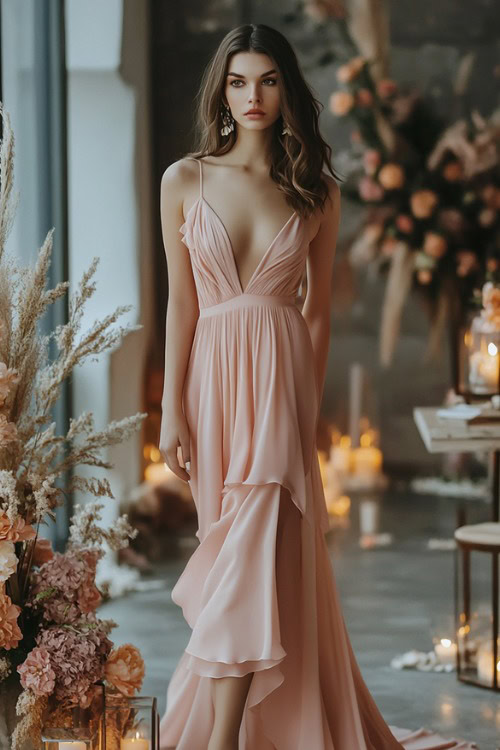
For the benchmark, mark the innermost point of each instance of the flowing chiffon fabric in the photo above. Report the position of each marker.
(259, 592)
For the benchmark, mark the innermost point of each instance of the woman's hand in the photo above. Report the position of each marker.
(175, 432)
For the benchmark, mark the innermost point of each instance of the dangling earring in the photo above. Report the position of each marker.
(228, 121)
(286, 130)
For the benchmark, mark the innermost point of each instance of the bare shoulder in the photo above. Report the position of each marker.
(178, 177)
(333, 193)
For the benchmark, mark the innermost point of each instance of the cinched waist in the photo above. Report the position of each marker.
(247, 300)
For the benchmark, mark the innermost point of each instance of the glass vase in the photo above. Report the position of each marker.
(76, 728)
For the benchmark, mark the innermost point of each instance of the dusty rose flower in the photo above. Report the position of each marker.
(125, 669)
(341, 102)
(18, 531)
(8, 431)
(89, 596)
(60, 611)
(424, 276)
(492, 264)
(423, 203)
(77, 659)
(487, 217)
(453, 171)
(43, 551)
(8, 378)
(369, 190)
(451, 220)
(404, 223)
(350, 70)
(386, 87)
(467, 261)
(391, 176)
(491, 196)
(371, 160)
(364, 98)
(10, 634)
(435, 245)
(37, 673)
(8, 560)
(388, 246)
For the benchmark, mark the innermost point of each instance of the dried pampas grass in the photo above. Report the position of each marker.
(32, 456)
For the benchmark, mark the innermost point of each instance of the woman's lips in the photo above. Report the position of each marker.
(255, 114)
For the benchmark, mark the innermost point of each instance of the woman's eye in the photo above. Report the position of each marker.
(272, 80)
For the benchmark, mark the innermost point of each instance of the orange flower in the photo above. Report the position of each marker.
(467, 261)
(43, 551)
(341, 102)
(435, 245)
(364, 98)
(424, 276)
(350, 70)
(453, 171)
(371, 160)
(8, 431)
(18, 531)
(386, 87)
(10, 634)
(391, 176)
(423, 203)
(125, 669)
(404, 223)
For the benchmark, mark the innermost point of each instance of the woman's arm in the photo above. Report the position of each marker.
(182, 313)
(316, 308)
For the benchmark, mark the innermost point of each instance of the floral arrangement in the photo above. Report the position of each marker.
(50, 636)
(431, 187)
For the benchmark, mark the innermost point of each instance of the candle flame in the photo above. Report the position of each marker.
(492, 349)
(446, 642)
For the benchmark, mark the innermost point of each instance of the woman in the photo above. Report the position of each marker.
(269, 662)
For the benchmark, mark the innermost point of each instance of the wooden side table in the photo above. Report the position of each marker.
(443, 435)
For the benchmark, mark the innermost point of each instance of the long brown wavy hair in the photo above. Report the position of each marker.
(297, 160)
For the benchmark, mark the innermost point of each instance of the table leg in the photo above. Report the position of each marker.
(495, 486)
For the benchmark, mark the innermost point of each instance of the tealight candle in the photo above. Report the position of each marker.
(135, 743)
(485, 664)
(73, 745)
(446, 651)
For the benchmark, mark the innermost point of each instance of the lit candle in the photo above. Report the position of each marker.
(135, 743)
(369, 511)
(73, 745)
(483, 368)
(485, 664)
(340, 455)
(446, 651)
(367, 460)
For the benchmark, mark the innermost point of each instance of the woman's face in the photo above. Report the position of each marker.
(252, 82)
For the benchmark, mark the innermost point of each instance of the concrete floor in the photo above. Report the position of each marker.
(392, 598)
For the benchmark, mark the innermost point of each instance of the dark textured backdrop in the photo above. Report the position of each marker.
(428, 41)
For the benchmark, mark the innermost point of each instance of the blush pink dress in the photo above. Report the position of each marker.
(259, 592)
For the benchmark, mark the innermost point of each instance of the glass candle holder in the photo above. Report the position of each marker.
(75, 728)
(483, 345)
(131, 723)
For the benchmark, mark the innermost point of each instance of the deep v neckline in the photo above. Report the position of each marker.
(202, 199)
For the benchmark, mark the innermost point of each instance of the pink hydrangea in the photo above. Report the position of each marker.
(78, 660)
(37, 673)
(65, 586)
